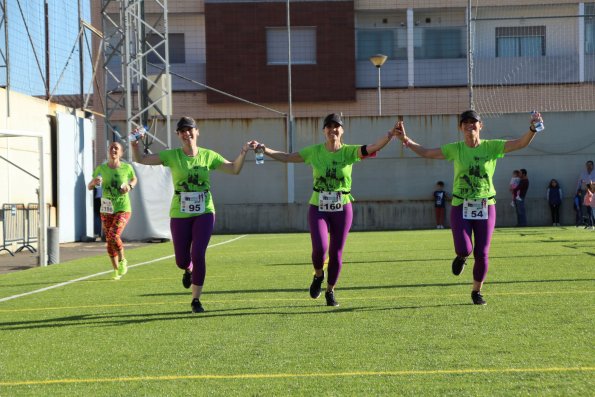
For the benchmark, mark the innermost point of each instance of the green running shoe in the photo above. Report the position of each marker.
(123, 267)
(116, 275)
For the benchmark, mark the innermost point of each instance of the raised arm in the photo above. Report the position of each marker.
(525, 140)
(368, 150)
(399, 131)
(235, 167)
(143, 158)
(277, 155)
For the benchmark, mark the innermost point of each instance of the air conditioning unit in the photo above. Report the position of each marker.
(160, 94)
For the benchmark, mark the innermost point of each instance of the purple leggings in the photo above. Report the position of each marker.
(338, 225)
(482, 231)
(191, 237)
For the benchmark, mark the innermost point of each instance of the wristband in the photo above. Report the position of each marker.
(532, 128)
(406, 142)
(130, 186)
(364, 150)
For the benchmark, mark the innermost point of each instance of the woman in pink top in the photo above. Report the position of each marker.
(589, 204)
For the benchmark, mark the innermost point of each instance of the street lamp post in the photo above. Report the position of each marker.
(378, 60)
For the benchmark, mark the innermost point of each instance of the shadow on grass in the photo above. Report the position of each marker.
(434, 259)
(109, 320)
(362, 287)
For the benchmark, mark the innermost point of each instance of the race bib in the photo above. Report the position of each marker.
(106, 206)
(192, 202)
(475, 209)
(330, 201)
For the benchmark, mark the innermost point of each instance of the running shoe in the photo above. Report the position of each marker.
(458, 264)
(330, 298)
(316, 286)
(477, 298)
(187, 279)
(116, 275)
(123, 267)
(196, 306)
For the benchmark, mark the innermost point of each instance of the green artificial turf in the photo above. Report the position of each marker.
(405, 326)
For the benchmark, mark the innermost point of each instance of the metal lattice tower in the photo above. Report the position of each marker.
(133, 85)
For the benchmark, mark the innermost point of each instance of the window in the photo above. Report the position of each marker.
(303, 46)
(177, 49)
(371, 42)
(439, 43)
(520, 41)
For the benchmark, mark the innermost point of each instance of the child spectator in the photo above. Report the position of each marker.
(589, 204)
(578, 208)
(554, 198)
(440, 204)
(514, 183)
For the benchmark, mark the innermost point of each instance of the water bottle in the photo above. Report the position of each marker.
(259, 154)
(137, 134)
(538, 125)
(100, 180)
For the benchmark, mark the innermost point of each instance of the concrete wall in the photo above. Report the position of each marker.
(393, 190)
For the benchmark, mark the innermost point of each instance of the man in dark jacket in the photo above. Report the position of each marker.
(521, 213)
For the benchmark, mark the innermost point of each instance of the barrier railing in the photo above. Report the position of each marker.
(31, 228)
(14, 217)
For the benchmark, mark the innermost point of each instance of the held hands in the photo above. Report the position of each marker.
(398, 131)
(254, 145)
(246, 147)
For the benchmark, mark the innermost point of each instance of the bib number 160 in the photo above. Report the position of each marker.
(330, 206)
(330, 201)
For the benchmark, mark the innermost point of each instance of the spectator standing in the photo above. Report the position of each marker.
(440, 204)
(513, 184)
(97, 229)
(585, 177)
(589, 204)
(578, 208)
(521, 192)
(554, 198)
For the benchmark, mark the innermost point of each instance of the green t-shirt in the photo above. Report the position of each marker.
(474, 169)
(113, 178)
(331, 170)
(190, 174)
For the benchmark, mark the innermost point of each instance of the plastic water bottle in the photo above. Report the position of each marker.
(259, 155)
(137, 134)
(538, 125)
(100, 180)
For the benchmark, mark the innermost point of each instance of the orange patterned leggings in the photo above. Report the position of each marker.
(113, 225)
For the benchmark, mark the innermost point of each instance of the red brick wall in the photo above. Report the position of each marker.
(237, 58)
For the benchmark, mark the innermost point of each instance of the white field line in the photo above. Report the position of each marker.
(102, 273)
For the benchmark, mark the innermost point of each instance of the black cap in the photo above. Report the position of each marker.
(333, 118)
(469, 114)
(186, 122)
